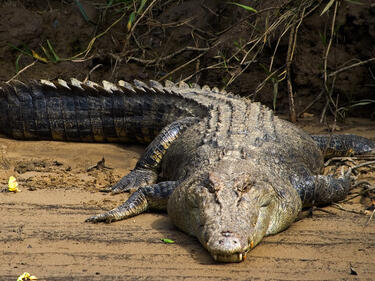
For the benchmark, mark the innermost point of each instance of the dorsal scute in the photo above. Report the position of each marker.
(111, 87)
(169, 84)
(76, 83)
(193, 91)
(47, 83)
(195, 86)
(223, 92)
(126, 86)
(176, 92)
(63, 84)
(183, 85)
(156, 86)
(143, 86)
(92, 85)
(206, 88)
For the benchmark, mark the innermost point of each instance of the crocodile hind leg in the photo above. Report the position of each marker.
(320, 189)
(153, 197)
(147, 168)
(343, 145)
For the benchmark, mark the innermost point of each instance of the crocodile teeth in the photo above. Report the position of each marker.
(238, 257)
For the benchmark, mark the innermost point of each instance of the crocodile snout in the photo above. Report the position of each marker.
(227, 247)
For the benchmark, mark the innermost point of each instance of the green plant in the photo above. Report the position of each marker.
(247, 8)
(353, 104)
(49, 52)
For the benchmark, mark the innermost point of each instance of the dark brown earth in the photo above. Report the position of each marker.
(42, 227)
(214, 31)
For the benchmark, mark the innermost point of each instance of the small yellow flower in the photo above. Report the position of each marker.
(26, 277)
(13, 184)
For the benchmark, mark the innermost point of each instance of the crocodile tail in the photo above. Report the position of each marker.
(343, 145)
(78, 111)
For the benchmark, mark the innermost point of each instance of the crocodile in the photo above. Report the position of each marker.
(226, 169)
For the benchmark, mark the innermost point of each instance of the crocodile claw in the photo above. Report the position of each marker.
(107, 217)
(99, 218)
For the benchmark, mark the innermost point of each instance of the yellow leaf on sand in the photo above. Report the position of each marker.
(38, 57)
(13, 184)
(26, 276)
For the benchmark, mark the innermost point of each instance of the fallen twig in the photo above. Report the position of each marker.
(350, 66)
(341, 159)
(370, 218)
(338, 206)
(181, 66)
(311, 104)
(363, 164)
(371, 188)
(100, 165)
(22, 70)
(91, 71)
(156, 60)
(91, 43)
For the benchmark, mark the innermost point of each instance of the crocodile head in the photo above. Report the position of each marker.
(229, 208)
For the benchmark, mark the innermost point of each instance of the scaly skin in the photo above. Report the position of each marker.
(233, 171)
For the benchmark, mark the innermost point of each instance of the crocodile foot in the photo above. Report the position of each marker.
(137, 178)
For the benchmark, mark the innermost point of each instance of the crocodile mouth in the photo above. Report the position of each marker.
(235, 257)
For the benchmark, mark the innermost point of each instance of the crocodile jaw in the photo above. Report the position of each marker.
(236, 257)
(226, 246)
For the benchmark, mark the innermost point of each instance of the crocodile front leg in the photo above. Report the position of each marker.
(153, 197)
(147, 168)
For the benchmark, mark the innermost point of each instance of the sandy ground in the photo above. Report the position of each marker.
(43, 230)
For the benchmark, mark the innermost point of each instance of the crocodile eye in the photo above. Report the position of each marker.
(242, 188)
(245, 187)
(266, 203)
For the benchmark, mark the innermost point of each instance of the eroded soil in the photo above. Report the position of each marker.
(43, 230)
